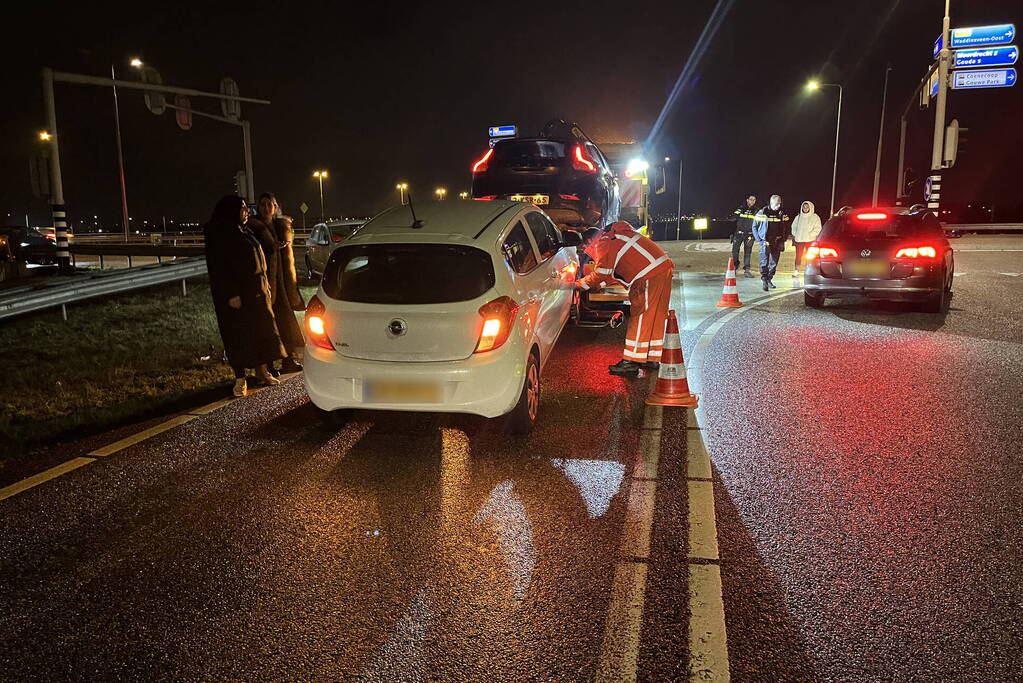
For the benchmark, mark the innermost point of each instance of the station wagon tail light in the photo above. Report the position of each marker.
(925, 251)
(315, 324)
(581, 162)
(481, 165)
(486, 198)
(498, 318)
(570, 197)
(819, 252)
(872, 216)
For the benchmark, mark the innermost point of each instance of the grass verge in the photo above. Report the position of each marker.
(116, 360)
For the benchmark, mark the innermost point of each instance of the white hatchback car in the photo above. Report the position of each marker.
(455, 310)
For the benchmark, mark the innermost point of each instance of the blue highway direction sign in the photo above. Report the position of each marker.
(991, 78)
(977, 36)
(503, 131)
(937, 46)
(986, 56)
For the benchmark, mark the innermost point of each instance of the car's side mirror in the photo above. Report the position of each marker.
(570, 238)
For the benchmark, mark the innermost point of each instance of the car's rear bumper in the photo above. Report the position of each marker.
(486, 384)
(923, 284)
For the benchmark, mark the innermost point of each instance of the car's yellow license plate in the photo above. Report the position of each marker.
(867, 268)
(534, 198)
(385, 391)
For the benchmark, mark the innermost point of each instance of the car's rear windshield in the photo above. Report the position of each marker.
(529, 153)
(892, 227)
(407, 273)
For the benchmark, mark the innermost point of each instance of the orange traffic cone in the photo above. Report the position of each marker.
(730, 295)
(672, 388)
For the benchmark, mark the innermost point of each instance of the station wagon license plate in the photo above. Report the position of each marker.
(385, 391)
(534, 198)
(867, 268)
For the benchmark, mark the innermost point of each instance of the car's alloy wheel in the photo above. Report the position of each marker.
(523, 416)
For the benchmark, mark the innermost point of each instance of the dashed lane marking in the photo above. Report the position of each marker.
(699, 462)
(619, 652)
(703, 532)
(42, 477)
(708, 644)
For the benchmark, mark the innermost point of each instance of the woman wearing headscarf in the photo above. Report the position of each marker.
(241, 293)
(806, 226)
(275, 234)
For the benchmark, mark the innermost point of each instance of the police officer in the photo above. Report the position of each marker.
(770, 228)
(743, 233)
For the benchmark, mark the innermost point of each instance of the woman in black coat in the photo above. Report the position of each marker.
(241, 293)
(274, 233)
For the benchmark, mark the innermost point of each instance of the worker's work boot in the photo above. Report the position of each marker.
(624, 367)
(650, 366)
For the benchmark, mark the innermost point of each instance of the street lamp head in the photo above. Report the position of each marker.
(401, 186)
(319, 174)
(813, 85)
(667, 159)
(44, 136)
(136, 62)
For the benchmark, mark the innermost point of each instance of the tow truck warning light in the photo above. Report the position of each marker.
(503, 131)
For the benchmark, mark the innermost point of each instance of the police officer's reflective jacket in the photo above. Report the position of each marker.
(771, 225)
(744, 216)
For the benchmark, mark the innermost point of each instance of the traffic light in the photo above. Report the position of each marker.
(954, 140)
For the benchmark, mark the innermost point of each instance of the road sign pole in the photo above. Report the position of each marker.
(247, 141)
(933, 203)
(57, 186)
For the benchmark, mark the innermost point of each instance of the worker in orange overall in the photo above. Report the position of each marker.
(624, 256)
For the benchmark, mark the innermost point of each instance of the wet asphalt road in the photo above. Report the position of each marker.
(868, 482)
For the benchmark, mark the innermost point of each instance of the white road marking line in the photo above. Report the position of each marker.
(45, 476)
(619, 653)
(142, 436)
(1011, 274)
(639, 519)
(699, 462)
(708, 642)
(703, 533)
(649, 453)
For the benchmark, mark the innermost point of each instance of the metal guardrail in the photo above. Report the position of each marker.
(983, 227)
(50, 295)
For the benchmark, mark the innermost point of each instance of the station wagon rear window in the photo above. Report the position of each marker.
(407, 273)
(895, 226)
(529, 153)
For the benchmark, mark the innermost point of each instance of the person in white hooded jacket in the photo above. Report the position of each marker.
(806, 226)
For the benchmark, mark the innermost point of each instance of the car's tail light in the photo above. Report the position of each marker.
(925, 251)
(498, 318)
(486, 198)
(872, 216)
(316, 324)
(570, 197)
(820, 253)
(481, 165)
(581, 162)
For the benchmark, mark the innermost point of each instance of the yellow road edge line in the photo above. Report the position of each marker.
(109, 449)
(698, 466)
(703, 531)
(210, 407)
(708, 641)
(653, 417)
(619, 653)
(44, 476)
(639, 519)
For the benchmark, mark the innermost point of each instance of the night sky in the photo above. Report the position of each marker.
(382, 92)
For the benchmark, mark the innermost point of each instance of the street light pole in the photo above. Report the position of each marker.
(401, 187)
(57, 186)
(880, 137)
(120, 154)
(834, 170)
(320, 175)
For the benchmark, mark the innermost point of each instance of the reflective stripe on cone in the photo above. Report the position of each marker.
(672, 388)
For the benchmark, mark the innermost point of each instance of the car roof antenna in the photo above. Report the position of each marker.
(416, 223)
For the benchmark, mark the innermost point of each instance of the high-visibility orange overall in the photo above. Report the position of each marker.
(623, 255)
